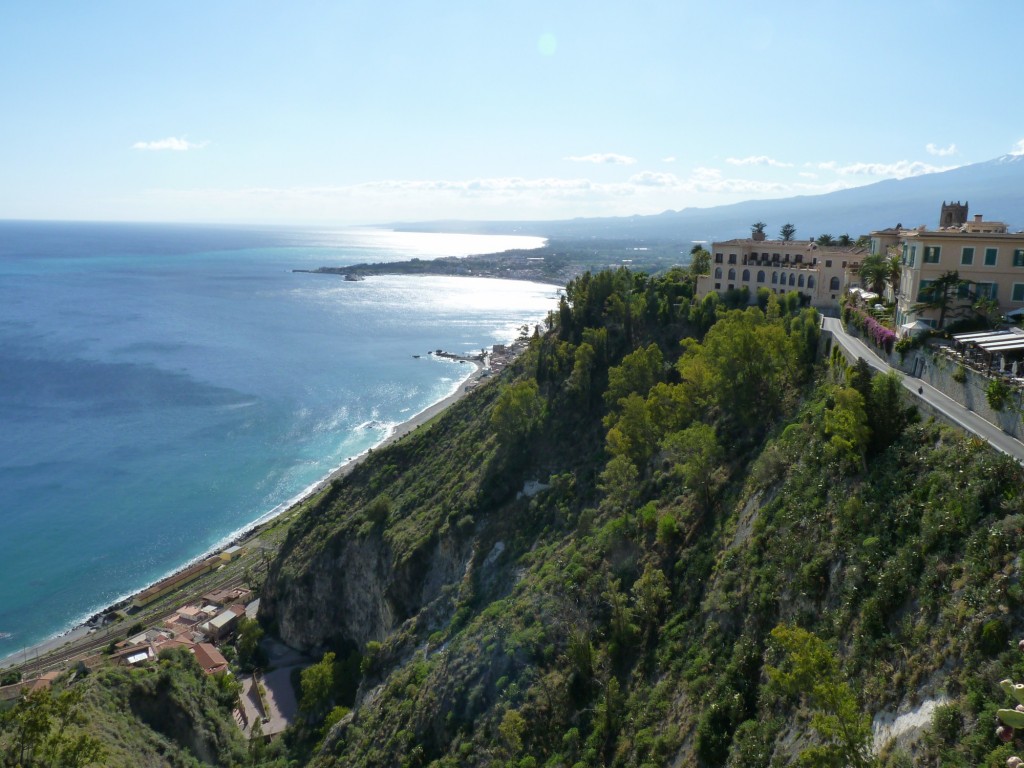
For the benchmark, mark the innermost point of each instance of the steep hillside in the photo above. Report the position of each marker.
(670, 535)
(583, 563)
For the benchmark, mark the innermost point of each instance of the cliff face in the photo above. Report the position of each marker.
(354, 590)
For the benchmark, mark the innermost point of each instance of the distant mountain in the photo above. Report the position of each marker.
(994, 188)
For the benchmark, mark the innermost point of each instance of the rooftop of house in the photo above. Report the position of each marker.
(210, 659)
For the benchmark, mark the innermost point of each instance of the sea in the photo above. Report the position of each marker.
(165, 387)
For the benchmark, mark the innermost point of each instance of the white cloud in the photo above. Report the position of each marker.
(931, 149)
(807, 174)
(901, 169)
(758, 160)
(172, 143)
(669, 159)
(1018, 148)
(602, 158)
(655, 179)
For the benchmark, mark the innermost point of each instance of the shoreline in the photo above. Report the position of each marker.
(252, 530)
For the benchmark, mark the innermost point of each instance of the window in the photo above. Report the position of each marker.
(833, 284)
(718, 273)
(800, 281)
(760, 275)
(746, 275)
(967, 256)
(792, 279)
(810, 281)
(1018, 291)
(991, 256)
(828, 263)
(932, 253)
(913, 255)
(732, 258)
(1018, 258)
(775, 278)
(732, 274)
(924, 288)
(987, 290)
(718, 258)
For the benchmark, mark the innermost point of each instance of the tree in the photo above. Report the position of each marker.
(744, 367)
(786, 232)
(757, 230)
(518, 411)
(825, 240)
(942, 295)
(250, 633)
(844, 240)
(873, 272)
(886, 413)
(637, 373)
(810, 671)
(700, 261)
(847, 424)
(698, 456)
(317, 686)
(41, 729)
(631, 431)
(893, 271)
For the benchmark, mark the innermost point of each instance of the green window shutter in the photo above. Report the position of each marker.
(967, 256)
(1018, 258)
(991, 255)
(1018, 291)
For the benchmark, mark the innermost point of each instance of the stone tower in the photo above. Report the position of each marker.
(953, 214)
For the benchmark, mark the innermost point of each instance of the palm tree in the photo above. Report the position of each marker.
(825, 240)
(874, 271)
(844, 240)
(894, 270)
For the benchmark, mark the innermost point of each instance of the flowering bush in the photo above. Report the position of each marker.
(884, 338)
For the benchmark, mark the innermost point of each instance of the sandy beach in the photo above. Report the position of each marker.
(401, 430)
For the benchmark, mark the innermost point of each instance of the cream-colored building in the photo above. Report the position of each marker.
(981, 252)
(819, 272)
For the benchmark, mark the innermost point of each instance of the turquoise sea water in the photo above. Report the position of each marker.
(163, 387)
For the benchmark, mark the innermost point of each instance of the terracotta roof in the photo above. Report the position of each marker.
(209, 658)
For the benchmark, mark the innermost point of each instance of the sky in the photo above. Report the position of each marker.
(369, 112)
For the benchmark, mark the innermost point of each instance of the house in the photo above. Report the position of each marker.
(818, 272)
(209, 658)
(988, 261)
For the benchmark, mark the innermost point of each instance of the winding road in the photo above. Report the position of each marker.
(938, 400)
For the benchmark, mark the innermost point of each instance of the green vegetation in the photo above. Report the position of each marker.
(169, 714)
(667, 535)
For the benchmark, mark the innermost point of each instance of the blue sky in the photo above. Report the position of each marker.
(368, 112)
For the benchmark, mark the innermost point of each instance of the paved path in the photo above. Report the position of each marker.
(941, 402)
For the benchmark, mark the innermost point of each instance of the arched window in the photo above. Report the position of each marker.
(732, 274)
(800, 281)
(833, 284)
(775, 278)
(760, 275)
(810, 281)
(746, 275)
(718, 273)
(792, 279)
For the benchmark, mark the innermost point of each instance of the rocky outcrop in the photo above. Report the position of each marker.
(353, 591)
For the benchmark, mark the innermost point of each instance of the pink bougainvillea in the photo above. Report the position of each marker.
(884, 338)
